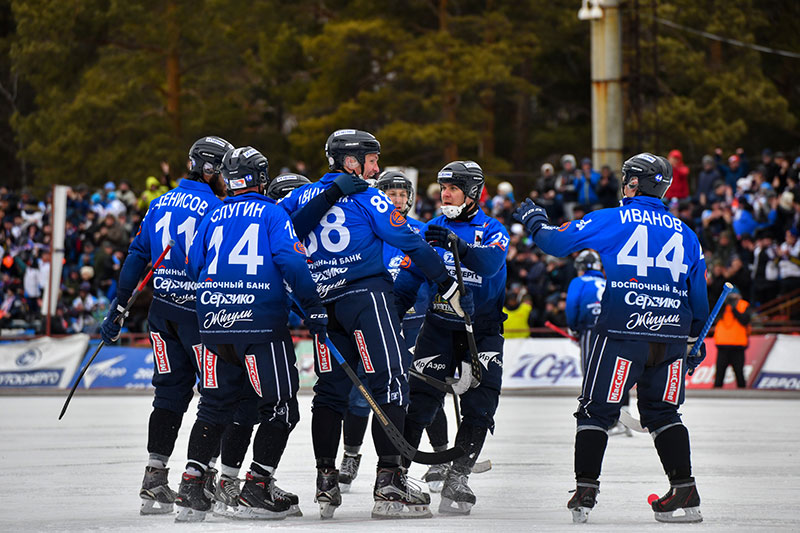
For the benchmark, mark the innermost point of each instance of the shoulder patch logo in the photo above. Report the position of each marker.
(396, 219)
(564, 226)
(299, 248)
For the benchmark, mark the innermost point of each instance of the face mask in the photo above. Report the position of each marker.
(452, 211)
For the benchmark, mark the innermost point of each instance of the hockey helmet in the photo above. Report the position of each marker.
(355, 143)
(283, 184)
(588, 260)
(467, 176)
(653, 174)
(205, 155)
(243, 168)
(391, 179)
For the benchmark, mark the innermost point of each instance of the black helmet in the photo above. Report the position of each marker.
(466, 175)
(391, 179)
(588, 260)
(284, 184)
(206, 155)
(243, 168)
(356, 143)
(653, 174)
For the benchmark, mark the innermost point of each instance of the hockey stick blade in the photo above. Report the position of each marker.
(483, 466)
(124, 313)
(433, 382)
(630, 422)
(475, 363)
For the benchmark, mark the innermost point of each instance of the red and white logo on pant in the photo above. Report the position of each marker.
(323, 356)
(362, 351)
(160, 353)
(198, 356)
(672, 390)
(621, 370)
(252, 372)
(209, 369)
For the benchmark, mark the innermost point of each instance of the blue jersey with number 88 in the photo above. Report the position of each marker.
(655, 269)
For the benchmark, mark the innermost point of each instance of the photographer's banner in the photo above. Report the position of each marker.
(117, 367)
(530, 363)
(44, 362)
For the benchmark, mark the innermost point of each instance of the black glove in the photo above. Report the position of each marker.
(109, 329)
(531, 215)
(317, 321)
(462, 305)
(693, 361)
(345, 185)
(440, 236)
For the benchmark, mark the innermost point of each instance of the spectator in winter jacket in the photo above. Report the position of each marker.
(608, 188)
(736, 168)
(586, 184)
(680, 177)
(731, 337)
(708, 176)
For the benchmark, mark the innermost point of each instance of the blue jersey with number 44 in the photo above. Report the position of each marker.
(655, 269)
(243, 252)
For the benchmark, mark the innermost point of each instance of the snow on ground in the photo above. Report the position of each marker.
(83, 473)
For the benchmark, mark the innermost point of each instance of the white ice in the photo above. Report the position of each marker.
(83, 473)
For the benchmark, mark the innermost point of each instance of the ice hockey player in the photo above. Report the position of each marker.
(655, 302)
(242, 254)
(283, 184)
(442, 344)
(400, 191)
(172, 320)
(346, 251)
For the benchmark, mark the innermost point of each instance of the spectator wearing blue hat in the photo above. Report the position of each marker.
(586, 184)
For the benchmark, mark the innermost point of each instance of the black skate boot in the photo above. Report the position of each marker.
(348, 471)
(257, 502)
(583, 500)
(210, 482)
(435, 475)
(457, 497)
(395, 498)
(328, 496)
(682, 495)
(157, 497)
(192, 499)
(226, 496)
(280, 494)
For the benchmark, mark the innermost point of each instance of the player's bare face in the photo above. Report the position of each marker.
(371, 168)
(399, 198)
(452, 195)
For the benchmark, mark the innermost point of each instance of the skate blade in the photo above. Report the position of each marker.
(151, 507)
(453, 507)
(580, 514)
(385, 510)
(223, 510)
(243, 512)
(690, 515)
(294, 511)
(436, 486)
(326, 510)
(187, 514)
(344, 487)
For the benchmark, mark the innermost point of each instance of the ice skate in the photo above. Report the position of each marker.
(328, 496)
(457, 497)
(256, 501)
(192, 501)
(226, 496)
(435, 475)
(396, 498)
(157, 497)
(348, 471)
(582, 502)
(682, 499)
(210, 482)
(280, 494)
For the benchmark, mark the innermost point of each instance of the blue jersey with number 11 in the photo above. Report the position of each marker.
(656, 288)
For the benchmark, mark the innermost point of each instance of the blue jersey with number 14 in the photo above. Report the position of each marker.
(655, 269)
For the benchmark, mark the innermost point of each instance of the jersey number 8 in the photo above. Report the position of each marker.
(329, 227)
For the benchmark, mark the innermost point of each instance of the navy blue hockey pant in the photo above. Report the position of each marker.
(366, 331)
(250, 383)
(177, 355)
(614, 366)
(438, 353)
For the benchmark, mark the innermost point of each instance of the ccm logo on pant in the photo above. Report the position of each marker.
(673, 387)
(621, 370)
(160, 353)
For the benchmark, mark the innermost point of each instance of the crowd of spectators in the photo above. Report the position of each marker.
(746, 213)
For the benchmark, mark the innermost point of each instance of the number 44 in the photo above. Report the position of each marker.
(642, 261)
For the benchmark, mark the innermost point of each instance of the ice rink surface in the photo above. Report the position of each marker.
(83, 473)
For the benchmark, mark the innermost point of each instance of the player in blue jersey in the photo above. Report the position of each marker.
(283, 184)
(442, 344)
(172, 321)
(345, 251)
(655, 302)
(244, 252)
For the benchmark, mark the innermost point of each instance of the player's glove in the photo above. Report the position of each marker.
(531, 215)
(693, 361)
(345, 185)
(109, 329)
(439, 236)
(317, 322)
(462, 305)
